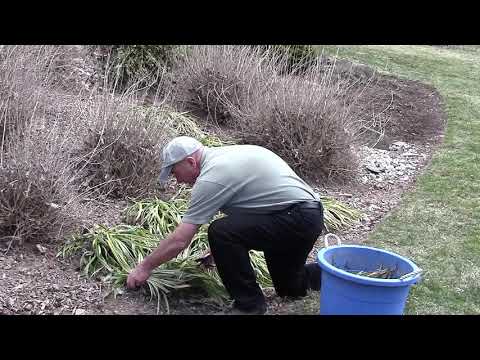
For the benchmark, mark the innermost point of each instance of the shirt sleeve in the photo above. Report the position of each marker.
(206, 200)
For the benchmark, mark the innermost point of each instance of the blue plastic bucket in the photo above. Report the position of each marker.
(345, 293)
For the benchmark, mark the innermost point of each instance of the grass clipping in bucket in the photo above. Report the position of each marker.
(382, 272)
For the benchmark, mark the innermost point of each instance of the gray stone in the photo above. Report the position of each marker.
(399, 145)
(374, 168)
(41, 249)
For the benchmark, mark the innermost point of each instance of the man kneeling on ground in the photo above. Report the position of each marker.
(268, 206)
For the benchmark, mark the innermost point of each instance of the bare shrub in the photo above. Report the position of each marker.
(65, 145)
(120, 154)
(296, 59)
(33, 79)
(306, 120)
(74, 69)
(210, 80)
(368, 106)
(24, 78)
(38, 200)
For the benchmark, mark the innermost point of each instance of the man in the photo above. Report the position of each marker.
(268, 207)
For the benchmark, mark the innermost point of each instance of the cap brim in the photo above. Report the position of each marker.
(164, 174)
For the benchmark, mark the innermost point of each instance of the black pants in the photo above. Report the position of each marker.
(285, 237)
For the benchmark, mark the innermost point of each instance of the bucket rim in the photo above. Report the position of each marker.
(325, 265)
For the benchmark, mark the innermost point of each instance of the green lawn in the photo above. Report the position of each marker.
(438, 224)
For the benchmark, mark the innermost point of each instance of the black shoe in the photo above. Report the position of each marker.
(258, 310)
(314, 276)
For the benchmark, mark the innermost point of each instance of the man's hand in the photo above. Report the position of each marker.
(206, 260)
(166, 250)
(138, 276)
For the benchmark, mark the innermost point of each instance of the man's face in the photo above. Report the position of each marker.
(186, 171)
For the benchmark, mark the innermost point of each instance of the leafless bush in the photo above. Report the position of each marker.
(366, 104)
(63, 145)
(210, 80)
(120, 154)
(38, 200)
(306, 120)
(74, 69)
(24, 79)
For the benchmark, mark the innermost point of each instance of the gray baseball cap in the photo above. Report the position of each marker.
(175, 151)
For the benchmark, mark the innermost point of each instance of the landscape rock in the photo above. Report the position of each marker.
(41, 249)
(399, 145)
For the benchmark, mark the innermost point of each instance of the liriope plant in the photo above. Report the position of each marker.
(161, 217)
(338, 215)
(113, 252)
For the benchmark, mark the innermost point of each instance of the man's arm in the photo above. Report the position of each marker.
(166, 250)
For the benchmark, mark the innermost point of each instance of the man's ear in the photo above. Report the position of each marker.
(191, 160)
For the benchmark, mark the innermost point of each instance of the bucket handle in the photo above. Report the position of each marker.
(410, 274)
(339, 242)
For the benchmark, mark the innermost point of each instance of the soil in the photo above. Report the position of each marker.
(411, 109)
(34, 281)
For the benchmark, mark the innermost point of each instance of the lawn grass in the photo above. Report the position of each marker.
(437, 225)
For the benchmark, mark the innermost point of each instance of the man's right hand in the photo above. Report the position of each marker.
(138, 276)
(206, 260)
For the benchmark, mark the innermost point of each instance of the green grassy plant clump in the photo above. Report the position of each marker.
(111, 253)
(161, 217)
(129, 64)
(338, 215)
(183, 124)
